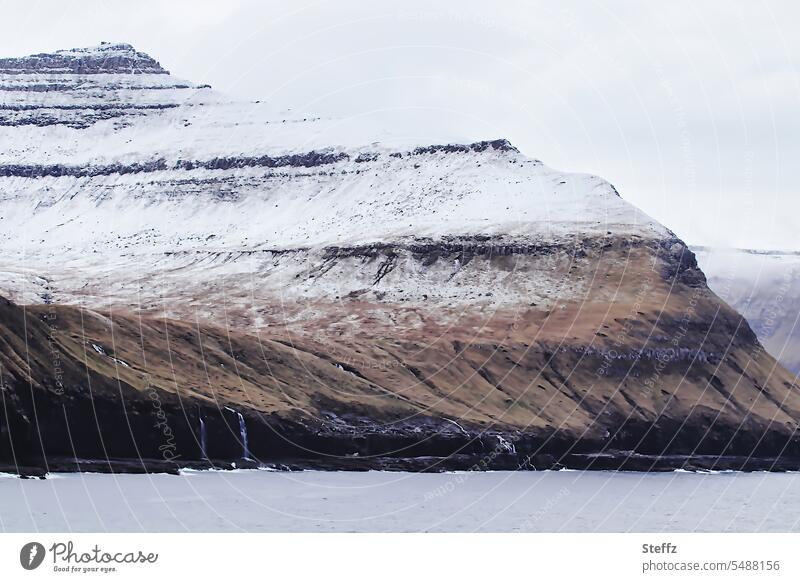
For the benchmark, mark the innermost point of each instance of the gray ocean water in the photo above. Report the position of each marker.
(263, 501)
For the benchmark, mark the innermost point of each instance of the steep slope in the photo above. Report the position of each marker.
(764, 286)
(392, 299)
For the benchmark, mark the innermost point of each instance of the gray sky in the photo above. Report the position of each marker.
(691, 109)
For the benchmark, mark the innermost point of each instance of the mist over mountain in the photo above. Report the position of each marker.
(764, 286)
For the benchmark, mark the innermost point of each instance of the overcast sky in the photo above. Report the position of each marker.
(692, 109)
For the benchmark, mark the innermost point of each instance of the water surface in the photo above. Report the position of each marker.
(312, 501)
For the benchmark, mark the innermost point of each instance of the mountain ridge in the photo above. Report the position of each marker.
(105, 58)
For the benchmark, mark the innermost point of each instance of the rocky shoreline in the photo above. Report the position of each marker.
(608, 461)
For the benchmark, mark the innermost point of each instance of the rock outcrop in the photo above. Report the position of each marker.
(107, 58)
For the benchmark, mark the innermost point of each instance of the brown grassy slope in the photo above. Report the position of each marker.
(648, 358)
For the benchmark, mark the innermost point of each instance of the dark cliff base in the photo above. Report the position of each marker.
(135, 437)
(278, 444)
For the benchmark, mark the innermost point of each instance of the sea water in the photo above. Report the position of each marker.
(314, 501)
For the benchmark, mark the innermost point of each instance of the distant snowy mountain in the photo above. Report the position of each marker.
(764, 286)
(373, 290)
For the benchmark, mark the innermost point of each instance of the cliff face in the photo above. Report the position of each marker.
(107, 58)
(388, 300)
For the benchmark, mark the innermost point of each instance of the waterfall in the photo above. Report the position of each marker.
(243, 436)
(203, 439)
(507, 446)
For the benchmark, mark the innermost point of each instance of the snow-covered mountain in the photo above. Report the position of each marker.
(367, 282)
(106, 159)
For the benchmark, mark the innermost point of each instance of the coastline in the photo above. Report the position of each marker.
(614, 461)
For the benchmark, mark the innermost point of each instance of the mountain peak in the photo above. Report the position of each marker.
(107, 57)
